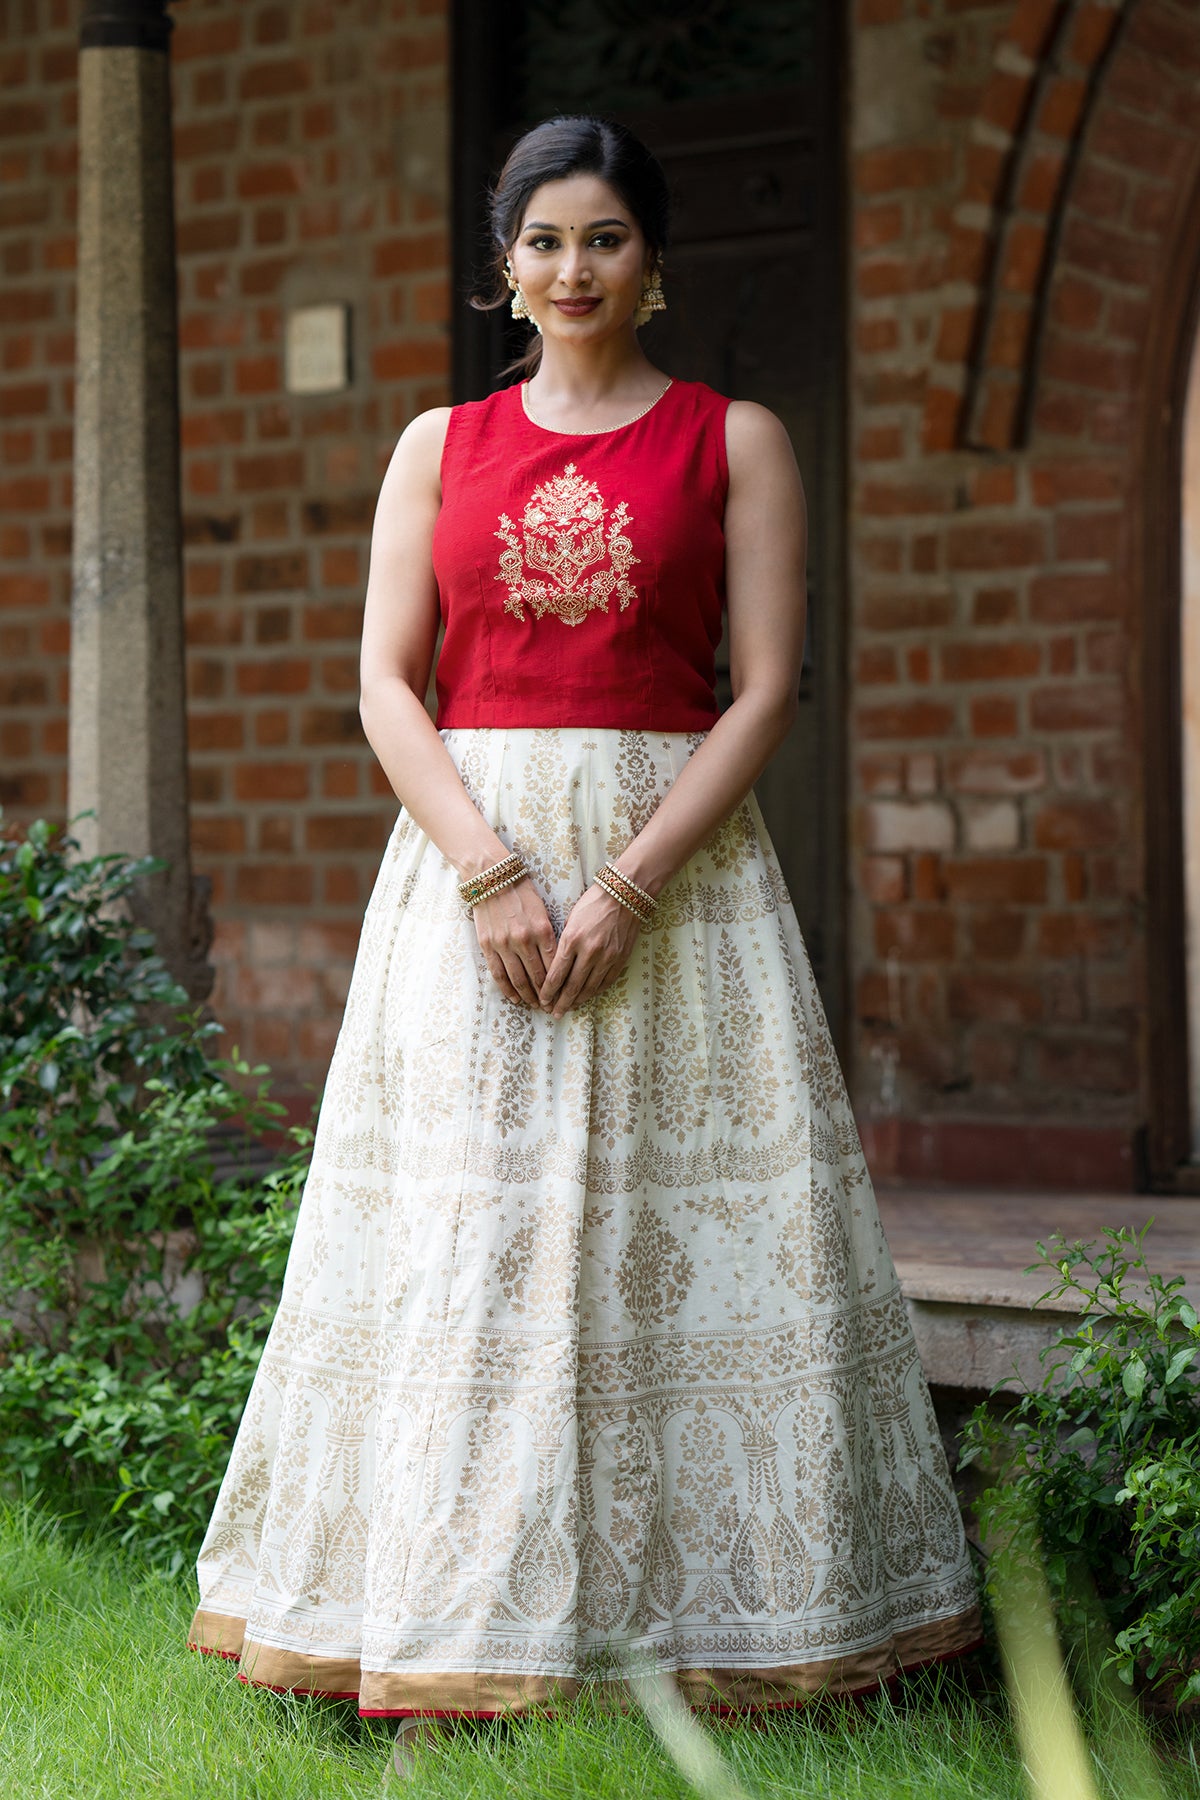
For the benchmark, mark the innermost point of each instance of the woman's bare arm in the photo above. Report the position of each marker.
(399, 639)
(766, 546)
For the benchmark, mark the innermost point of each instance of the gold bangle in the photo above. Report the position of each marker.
(642, 913)
(628, 882)
(502, 874)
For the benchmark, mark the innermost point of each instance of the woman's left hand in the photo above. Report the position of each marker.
(595, 945)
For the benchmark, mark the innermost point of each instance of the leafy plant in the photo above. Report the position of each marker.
(1098, 1468)
(136, 1284)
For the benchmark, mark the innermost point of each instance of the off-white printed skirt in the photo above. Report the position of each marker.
(591, 1351)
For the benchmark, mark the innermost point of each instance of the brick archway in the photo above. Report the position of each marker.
(1017, 601)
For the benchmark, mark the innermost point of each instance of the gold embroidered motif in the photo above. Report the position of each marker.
(565, 532)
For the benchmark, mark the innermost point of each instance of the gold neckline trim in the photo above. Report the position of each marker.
(596, 430)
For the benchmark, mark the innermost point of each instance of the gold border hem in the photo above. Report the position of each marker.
(381, 1692)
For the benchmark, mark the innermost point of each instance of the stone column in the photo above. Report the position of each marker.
(128, 740)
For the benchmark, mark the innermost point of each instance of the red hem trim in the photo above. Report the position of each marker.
(310, 1692)
(211, 1650)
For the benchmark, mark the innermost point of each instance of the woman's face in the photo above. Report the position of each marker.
(581, 259)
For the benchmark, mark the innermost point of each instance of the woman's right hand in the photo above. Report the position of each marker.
(517, 940)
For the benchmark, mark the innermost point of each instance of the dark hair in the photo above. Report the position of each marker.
(576, 144)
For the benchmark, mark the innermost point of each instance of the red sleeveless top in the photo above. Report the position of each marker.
(582, 576)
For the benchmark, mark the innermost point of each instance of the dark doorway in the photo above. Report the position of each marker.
(744, 113)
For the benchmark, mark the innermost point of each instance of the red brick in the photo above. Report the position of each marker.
(1090, 536)
(272, 727)
(398, 361)
(256, 781)
(339, 674)
(279, 675)
(874, 664)
(940, 420)
(276, 834)
(207, 234)
(274, 884)
(195, 37)
(1087, 1062)
(30, 790)
(1089, 365)
(995, 485)
(998, 935)
(218, 836)
(899, 167)
(345, 831)
(984, 660)
(24, 400)
(1076, 825)
(258, 375)
(1066, 481)
(284, 572)
(987, 544)
(24, 590)
(273, 625)
(1071, 599)
(260, 181)
(906, 719)
(915, 934)
(1065, 934)
(1001, 999)
(274, 79)
(896, 499)
(341, 566)
(1134, 143)
(922, 611)
(1104, 251)
(339, 781)
(215, 731)
(1061, 107)
(1106, 652)
(276, 469)
(336, 619)
(23, 688)
(342, 886)
(995, 772)
(1014, 880)
(883, 879)
(1078, 706)
(880, 443)
(1076, 304)
(1061, 657)
(330, 725)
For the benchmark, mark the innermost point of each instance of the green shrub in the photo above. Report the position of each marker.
(136, 1284)
(1098, 1468)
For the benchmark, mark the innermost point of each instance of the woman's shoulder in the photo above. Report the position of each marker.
(745, 419)
(753, 432)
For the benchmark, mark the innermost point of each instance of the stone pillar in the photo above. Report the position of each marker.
(128, 741)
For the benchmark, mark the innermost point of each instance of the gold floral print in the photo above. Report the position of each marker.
(571, 556)
(590, 1338)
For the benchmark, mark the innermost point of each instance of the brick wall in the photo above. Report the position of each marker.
(310, 166)
(1023, 176)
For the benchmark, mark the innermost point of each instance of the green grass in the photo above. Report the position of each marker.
(99, 1700)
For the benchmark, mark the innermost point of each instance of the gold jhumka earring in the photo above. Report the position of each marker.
(520, 306)
(653, 299)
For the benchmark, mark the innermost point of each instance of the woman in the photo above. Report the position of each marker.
(590, 1345)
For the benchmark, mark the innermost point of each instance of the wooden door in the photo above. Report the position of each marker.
(755, 307)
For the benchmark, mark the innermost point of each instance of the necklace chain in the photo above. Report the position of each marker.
(592, 430)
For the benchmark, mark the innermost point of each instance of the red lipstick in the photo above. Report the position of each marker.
(577, 309)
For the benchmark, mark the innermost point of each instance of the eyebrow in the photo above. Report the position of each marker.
(541, 224)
